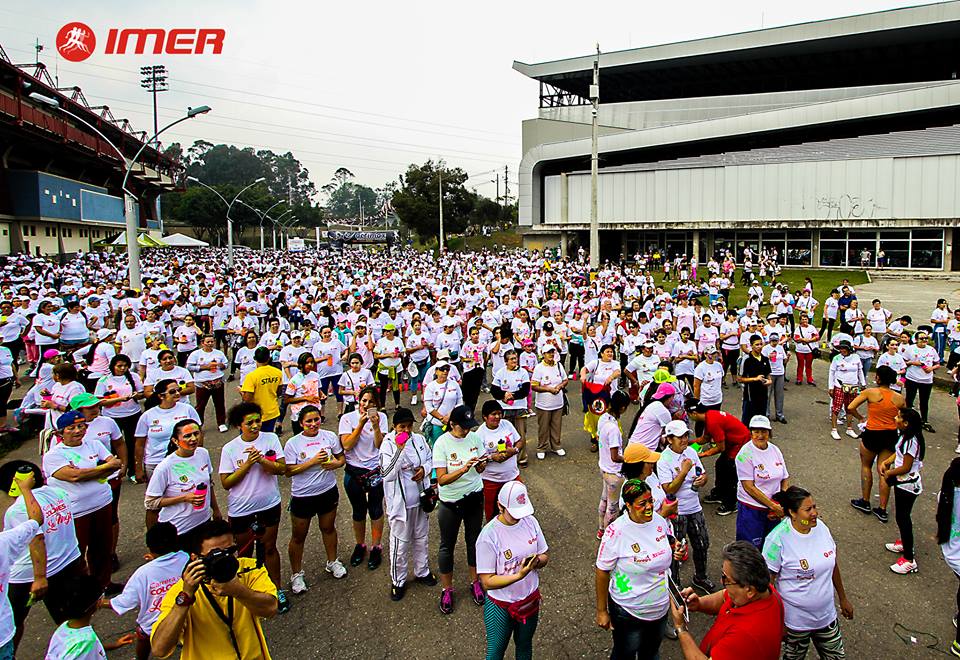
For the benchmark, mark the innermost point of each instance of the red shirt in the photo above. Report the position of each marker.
(724, 427)
(753, 631)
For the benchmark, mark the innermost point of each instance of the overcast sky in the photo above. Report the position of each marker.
(373, 85)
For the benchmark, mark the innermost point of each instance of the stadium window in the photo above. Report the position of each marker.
(33, 231)
(4, 232)
(46, 231)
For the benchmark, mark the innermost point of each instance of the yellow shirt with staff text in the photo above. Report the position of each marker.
(263, 382)
(205, 635)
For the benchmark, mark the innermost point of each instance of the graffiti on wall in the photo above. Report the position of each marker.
(847, 207)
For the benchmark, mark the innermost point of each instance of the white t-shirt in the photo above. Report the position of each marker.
(300, 449)
(442, 397)
(548, 377)
(258, 490)
(120, 386)
(132, 342)
(508, 470)
(385, 346)
(911, 481)
(649, 428)
(511, 381)
(147, 587)
(683, 367)
(711, 382)
(14, 541)
(354, 381)
(365, 453)
(638, 557)
(766, 468)
(85, 496)
(327, 355)
(453, 453)
(804, 563)
(68, 643)
(156, 425)
(105, 431)
(927, 355)
(178, 475)
(609, 436)
(599, 371)
(502, 549)
(668, 467)
(777, 357)
(59, 534)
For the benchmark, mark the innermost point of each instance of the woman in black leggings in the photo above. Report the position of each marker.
(922, 361)
(902, 471)
(946, 523)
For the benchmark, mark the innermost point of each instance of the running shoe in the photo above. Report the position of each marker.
(671, 633)
(541, 455)
(561, 452)
(429, 580)
(283, 603)
(336, 568)
(928, 428)
(297, 583)
(782, 420)
(223, 428)
(852, 433)
(478, 595)
(376, 557)
(397, 593)
(446, 601)
(594, 445)
(835, 434)
(359, 551)
(812, 382)
(413, 400)
(881, 514)
(704, 583)
(904, 566)
(896, 546)
(799, 382)
(861, 505)
(955, 649)
(724, 510)
(712, 498)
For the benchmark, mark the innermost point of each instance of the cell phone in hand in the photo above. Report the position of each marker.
(678, 599)
(529, 560)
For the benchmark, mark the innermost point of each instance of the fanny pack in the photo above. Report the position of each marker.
(849, 389)
(368, 479)
(523, 609)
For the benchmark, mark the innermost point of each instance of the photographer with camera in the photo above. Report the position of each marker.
(217, 604)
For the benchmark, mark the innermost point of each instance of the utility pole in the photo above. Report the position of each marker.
(154, 81)
(506, 185)
(594, 165)
(440, 183)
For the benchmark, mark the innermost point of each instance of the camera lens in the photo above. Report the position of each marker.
(220, 565)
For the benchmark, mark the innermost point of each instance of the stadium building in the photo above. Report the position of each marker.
(828, 140)
(60, 183)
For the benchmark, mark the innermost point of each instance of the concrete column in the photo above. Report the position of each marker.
(563, 244)
(948, 249)
(564, 199)
(696, 246)
(815, 248)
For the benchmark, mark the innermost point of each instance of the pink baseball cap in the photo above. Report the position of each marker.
(665, 390)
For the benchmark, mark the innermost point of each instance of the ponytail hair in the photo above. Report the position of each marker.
(791, 499)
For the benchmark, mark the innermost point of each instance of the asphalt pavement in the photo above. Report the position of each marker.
(353, 618)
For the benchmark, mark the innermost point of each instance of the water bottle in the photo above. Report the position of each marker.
(201, 489)
(21, 474)
(103, 479)
(698, 471)
(671, 498)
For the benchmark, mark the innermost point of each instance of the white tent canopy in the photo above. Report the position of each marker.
(181, 240)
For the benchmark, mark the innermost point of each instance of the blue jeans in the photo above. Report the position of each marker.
(940, 339)
(753, 525)
(633, 638)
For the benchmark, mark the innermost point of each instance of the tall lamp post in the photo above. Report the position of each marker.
(285, 232)
(263, 215)
(273, 230)
(594, 165)
(130, 211)
(229, 208)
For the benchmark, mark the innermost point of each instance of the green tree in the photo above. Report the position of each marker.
(202, 210)
(344, 201)
(417, 201)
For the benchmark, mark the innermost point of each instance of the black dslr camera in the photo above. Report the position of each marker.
(221, 565)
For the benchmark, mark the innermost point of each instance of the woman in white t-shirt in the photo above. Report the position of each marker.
(65, 387)
(610, 460)
(311, 456)
(169, 370)
(389, 351)
(303, 390)
(243, 356)
(152, 435)
(596, 376)
(418, 350)
(329, 353)
(45, 326)
(187, 337)
(802, 558)
(249, 467)
(902, 471)
(81, 468)
(511, 550)
(761, 473)
(181, 491)
(549, 382)
(633, 573)
(120, 393)
(922, 361)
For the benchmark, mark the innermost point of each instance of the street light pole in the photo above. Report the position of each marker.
(130, 211)
(273, 229)
(440, 184)
(229, 208)
(594, 166)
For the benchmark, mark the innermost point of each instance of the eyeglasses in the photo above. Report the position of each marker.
(725, 581)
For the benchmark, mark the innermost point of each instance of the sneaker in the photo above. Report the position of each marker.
(724, 510)
(541, 455)
(446, 601)
(928, 428)
(359, 551)
(881, 514)
(712, 498)
(397, 593)
(413, 400)
(223, 428)
(812, 382)
(835, 434)
(561, 452)
(671, 633)
(376, 557)
(852, 433)
(799, 382)
(337, 569)
(782, 420)
(478, 595)
(297, 584)
(904, 566)
(861, 505)
(896, 546)
(429, 580)
(705, 584)
(283, 603)
(955, 649)
(278, 430)
(594, 446)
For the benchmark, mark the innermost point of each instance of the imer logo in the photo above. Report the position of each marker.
(76, 41)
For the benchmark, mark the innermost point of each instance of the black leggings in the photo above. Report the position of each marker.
(924, 389)
(467, 510)
(128, 426)
(827, 325)
(904, 502)
(362, 502)
(576, 357)
(387, 384)
(472, 381)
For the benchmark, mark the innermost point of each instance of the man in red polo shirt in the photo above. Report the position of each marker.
(727, 434)
(749, 611)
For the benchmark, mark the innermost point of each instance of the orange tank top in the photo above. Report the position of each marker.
(882, 414)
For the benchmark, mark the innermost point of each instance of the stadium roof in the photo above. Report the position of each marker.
(913, 44)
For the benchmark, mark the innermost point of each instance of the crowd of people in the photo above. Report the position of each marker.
(308, 359)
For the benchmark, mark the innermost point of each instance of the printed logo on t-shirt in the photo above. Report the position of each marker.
(635, 547)
(507, 554)
(804, 564)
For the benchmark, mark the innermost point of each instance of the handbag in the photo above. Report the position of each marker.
(428, 499)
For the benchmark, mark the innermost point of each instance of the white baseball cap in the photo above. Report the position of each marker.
(515, 499)
(676, 428)
(760, 422)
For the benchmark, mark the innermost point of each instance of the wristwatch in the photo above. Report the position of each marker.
(185, 600)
